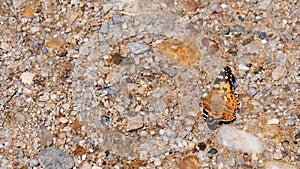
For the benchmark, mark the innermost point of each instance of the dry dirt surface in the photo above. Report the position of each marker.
(95, 84)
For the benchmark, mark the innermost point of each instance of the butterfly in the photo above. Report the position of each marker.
(221, 103)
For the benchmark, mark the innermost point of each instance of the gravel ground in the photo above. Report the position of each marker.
(118, 83)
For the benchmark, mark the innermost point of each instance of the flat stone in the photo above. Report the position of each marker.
(264, 4)
(138, 47)
(52, 158)
(27, 77)
(239, 140)
(84, 51)
(104, 28)
(278, 165)
(134, 123)
(253, 47)
(279, 72)
(273, 121)
(63, 120)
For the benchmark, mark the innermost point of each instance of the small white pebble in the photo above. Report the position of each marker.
(284, 21)
(273, 121)
(53, 96)
(83, 157)
(63, 120)
(223, 6)
(157, 162)
(263, 41)
(27, 77)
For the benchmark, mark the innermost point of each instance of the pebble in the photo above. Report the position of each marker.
(33, 162)
(240, 161)
(243, 67)
(63, 120)
(252, 91)
(107, 7)
(262, 35)
(264, 4)
(110, 90)
(277, 155)
(211, 152)
(273, 121)
(239, 28)
(279, 72)
(239, 140)
(104, 28)
(104, 119)
(278, 165)
(157, 162)
(52, 158)
(214, 6)
(201, 155)
(27, 77)
(84, 50)
(138, 47)
(45, 97)
(134, 123)
(253, 47)
(202, 146)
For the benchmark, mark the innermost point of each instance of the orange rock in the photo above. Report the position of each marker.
(180, 52)
(55, 43)
(29, 11)
(190, 5)
(189, 162)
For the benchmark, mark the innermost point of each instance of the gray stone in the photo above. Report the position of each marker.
(252, 91)
(104, 27)
(117, 32)
(239, 140)
(138, 47)
(33, 162)
(52, 158)
(84, 51)
(239, 28)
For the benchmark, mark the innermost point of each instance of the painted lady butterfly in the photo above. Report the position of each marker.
(222, 102)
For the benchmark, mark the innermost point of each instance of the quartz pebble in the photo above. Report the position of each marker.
(239, 140)
(273, 121)
(279, 72)
(27, 77)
